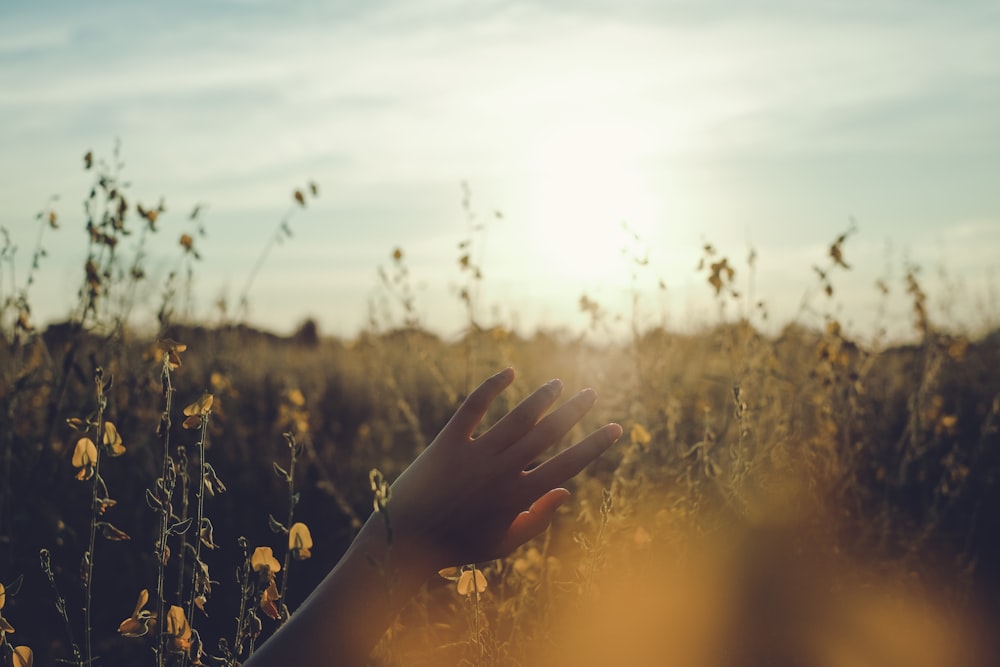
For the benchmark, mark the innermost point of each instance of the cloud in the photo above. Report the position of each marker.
(757, 113)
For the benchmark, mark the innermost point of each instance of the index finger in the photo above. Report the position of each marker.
(474, 407)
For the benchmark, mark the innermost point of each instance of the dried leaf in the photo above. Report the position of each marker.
(112, 533)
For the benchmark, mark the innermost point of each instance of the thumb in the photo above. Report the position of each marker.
(534, 521)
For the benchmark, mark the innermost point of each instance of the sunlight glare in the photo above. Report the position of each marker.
(589, 179)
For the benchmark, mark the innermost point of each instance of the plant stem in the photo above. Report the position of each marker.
(89, 556)
(46, 561)
(244, 579)
(293, 448)
(165, 510)
(196, 567)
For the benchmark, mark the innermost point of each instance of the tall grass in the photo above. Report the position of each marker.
(772, 490)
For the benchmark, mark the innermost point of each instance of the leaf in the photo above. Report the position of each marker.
(180, 527)
(153, 502)
(77, 424)
(112, 533)
(275, 525)
(213, 484)
(206, 534)
(14, 587)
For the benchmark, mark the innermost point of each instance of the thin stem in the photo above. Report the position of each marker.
(279, 234)
(196, 568)
(161, 550)
(89, 556)
(244, 574)
(479, 636)
(46, 561)
(293, 447)
(182, 466)
(606, 505)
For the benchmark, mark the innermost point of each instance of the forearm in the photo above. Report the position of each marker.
(348, 612)
(463, 500)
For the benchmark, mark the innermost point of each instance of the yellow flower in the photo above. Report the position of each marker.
(300, 541)
(138, 624)
(264, 562)
(173, 350)
(178, 629)
(113, 440)
(471, 580)
(640, 436)
(196, 410)
(465, 577)
(295, 397)
(3, 595)
(22, 657)
(85, 458)
(269, 600)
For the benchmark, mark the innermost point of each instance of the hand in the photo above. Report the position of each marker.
(468, 500)
(463, 500)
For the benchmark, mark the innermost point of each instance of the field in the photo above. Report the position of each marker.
(796, 499)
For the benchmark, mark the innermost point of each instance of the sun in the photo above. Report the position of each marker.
(588, 182)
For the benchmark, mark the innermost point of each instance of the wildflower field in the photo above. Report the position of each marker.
(169, 497)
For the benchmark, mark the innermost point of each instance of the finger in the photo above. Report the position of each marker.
(569, 462)
(516, 423)
(471, 412)
(550, 429)
(534, 521)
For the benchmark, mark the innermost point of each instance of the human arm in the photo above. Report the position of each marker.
(463, 500)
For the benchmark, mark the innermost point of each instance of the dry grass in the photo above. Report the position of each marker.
(797, 500)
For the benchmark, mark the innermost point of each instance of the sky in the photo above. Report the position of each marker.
(774, 125)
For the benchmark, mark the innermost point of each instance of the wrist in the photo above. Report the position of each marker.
(409, 559)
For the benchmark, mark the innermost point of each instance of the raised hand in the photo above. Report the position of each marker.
(463, 500)
(466, 499)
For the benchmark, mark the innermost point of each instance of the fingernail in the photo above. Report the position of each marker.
(555, 385)
(615, 431)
